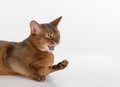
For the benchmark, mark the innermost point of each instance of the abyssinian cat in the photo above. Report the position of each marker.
(32, 57)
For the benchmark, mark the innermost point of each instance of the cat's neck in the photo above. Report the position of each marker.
(30, 46)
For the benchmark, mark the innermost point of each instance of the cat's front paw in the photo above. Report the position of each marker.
(41, 79)
(38, 78)
(63, 64)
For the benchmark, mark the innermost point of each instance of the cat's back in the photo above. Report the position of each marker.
(4, 45)
(17, 48)
(9, 45)
(12, 48)
(3, 42)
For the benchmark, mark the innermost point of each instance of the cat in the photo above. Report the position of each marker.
(33, 57)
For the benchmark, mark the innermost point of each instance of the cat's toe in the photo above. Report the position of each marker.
(41, 79)
(63, 64)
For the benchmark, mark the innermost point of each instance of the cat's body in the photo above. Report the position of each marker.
(32, 57)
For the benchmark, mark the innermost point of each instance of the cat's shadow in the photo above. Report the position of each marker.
(18, 81)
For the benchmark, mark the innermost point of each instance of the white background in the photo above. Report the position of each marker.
(90, 39)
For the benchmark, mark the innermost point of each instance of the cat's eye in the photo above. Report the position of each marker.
(49, 36)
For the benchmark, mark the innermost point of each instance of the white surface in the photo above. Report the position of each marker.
(90, 39)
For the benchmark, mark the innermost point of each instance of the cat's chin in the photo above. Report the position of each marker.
(50, 51)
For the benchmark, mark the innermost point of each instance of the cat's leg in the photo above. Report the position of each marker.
(44, 70)
(23, 70)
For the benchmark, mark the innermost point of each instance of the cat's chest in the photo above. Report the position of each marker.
(41, 58)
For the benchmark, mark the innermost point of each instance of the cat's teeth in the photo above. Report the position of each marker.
(51, 47)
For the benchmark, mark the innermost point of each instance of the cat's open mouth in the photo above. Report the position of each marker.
(51, 48)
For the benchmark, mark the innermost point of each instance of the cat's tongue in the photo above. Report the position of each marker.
(51, 47)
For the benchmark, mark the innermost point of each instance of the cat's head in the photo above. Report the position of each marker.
(45, 36)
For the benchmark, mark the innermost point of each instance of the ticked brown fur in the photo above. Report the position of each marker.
(32, 57)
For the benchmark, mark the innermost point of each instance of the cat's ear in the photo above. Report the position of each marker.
(34, 27)
(56, 21)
